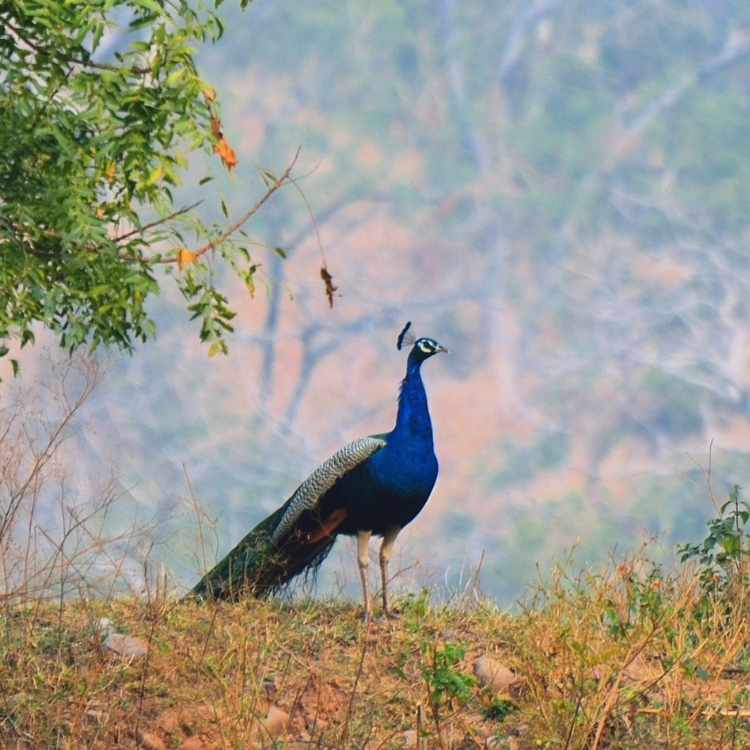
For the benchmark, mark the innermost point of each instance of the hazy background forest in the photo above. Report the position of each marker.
(557, 191)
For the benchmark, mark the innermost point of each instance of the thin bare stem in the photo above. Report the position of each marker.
(158, 222)
(225, 235)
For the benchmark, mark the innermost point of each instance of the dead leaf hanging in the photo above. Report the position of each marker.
(328, 281)
(222, 147)
(226, 153)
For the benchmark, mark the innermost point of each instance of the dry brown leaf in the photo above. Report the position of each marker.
(110, 171)
(216, 127)
(226, 153)
(100, 212)
(185, 258)
(209, 93)
(328, 281)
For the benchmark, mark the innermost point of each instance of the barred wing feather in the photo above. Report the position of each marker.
(307, 495)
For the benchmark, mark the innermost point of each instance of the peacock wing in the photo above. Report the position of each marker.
(308, 494)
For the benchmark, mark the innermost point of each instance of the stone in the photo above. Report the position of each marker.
(275, 723)
(494, 675)
(126, 646)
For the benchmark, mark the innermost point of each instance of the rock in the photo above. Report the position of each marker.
(493, 674)
(126, 646)
(151, 741)
(275, 723)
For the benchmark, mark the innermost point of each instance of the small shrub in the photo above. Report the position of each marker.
(722, 555)
(441, 676)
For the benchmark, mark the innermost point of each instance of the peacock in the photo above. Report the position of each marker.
(373, 486)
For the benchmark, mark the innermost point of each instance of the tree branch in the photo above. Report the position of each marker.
(279, 183)
(158, 222)
(77, 60)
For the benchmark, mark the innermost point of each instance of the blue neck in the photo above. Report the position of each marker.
(413, 420)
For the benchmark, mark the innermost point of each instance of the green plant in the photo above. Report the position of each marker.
(722, 555)
(645, 602)
(101, 109)
(441, 676)
(415, 608)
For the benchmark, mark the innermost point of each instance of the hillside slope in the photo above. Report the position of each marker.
(624, 658)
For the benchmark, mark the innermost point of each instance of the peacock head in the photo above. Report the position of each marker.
(423, 347)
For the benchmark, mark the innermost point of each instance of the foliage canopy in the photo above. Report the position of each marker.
(100, 106)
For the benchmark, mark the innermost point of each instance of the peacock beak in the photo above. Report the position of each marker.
(441, 348)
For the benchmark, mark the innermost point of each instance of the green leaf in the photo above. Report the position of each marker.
(141, 22)
(280, 251)
(150, 5)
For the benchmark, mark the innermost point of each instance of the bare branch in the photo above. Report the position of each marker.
(285, 178)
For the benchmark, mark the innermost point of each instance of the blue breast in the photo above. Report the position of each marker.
(394, 484)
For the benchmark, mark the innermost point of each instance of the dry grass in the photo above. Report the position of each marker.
(625, 658)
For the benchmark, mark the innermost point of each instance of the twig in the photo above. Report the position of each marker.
(709, 476)
(614, 692)
(77, 60)
(573, 720)
(212, 244)
(312, 218)
(210, 631)
(157, 222)
(144, 674)
(360, 667)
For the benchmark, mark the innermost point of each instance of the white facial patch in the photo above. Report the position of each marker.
(427, 346)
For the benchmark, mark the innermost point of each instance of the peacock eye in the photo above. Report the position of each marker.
(425, 346)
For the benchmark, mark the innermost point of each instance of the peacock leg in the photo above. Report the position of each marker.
(386, 550)
(363, 560)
